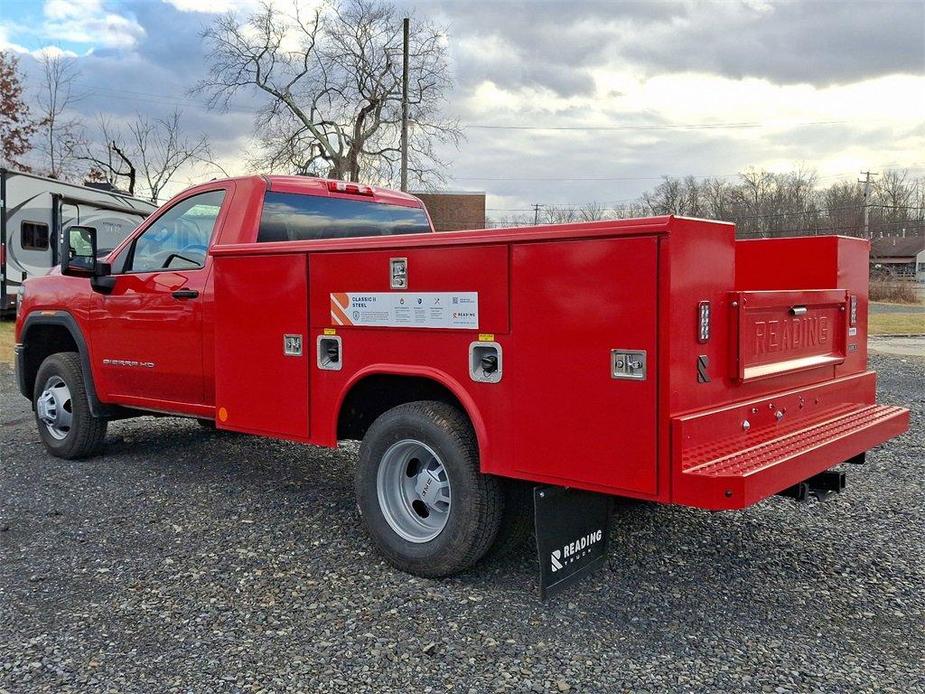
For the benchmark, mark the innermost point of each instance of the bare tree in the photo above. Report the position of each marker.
(666, 198)
(331, 87)
(58, 128)
(160, 149)
(109, 158)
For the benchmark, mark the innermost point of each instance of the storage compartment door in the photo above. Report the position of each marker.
(573, 304)
(261, 345)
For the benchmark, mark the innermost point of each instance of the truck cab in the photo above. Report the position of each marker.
(144, 329)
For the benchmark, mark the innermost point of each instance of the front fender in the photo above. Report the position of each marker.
(25, 371)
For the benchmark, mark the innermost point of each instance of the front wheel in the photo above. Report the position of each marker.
(426, 505)
(62, 412)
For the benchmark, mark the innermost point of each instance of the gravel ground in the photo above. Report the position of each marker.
(187, 560)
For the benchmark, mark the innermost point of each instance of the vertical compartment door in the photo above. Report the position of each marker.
(579, 309)
(262, 350)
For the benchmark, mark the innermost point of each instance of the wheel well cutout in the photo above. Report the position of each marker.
(41, 342)
(376, 394)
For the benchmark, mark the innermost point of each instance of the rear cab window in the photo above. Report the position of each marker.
(298, 217)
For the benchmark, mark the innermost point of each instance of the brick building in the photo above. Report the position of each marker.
(455, 210)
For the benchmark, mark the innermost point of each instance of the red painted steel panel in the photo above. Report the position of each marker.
(700, 267)
(482, 269)
(141, 321)
(258, 389)
(572, 303)
(440, 356)
(807, 262)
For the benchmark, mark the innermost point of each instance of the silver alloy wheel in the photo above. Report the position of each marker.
(54, 407)
(413, 490)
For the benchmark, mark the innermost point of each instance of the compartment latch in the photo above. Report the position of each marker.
(628, 363)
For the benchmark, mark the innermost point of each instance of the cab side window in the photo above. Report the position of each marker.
(179, 238)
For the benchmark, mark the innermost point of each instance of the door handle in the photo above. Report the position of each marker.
(185, 294)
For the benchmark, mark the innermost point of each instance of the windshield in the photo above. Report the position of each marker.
(293, 217)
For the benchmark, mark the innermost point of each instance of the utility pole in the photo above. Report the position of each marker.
(406, 30)
(536, 213)
(866, 182)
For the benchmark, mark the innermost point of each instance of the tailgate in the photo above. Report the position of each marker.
(779, 332)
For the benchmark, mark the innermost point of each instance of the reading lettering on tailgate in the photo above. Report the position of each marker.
(790, 334)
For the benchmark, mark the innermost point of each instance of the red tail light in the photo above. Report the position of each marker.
(352, 188)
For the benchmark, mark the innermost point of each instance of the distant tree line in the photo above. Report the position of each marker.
(764, 204)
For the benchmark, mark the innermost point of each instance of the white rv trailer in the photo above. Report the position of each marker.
(33, 212)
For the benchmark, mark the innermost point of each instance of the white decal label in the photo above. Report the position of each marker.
(407, 309)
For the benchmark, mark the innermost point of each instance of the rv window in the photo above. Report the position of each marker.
(34, 236)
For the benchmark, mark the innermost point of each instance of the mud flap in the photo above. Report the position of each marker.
(571, 535)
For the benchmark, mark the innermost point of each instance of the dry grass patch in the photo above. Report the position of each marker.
(7, 331)
(893, 292)
(896, 324)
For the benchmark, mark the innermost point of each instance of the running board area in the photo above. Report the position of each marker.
(742, 469)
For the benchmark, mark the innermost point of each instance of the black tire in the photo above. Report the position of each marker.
(516, 533)
(477, 500)
(86, 433)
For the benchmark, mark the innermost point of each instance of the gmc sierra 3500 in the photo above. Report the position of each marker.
(658, 359)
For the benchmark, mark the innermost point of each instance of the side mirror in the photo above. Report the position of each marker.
(78, 251)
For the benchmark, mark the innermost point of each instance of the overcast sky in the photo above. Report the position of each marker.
(627, 91)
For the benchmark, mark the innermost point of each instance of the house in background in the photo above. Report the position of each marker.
(901, 257)
(455, 210)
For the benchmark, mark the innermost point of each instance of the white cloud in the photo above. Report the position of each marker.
(6, 44)
(89, 22)
(212, 6)
(50, 50)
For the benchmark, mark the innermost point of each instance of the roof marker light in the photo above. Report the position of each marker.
(350, 188)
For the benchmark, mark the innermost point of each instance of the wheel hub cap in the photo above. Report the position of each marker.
(414, 490)
(54, 407)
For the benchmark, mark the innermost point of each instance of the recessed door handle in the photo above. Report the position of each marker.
(185, 294)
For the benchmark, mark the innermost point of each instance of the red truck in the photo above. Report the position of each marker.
(658, 359)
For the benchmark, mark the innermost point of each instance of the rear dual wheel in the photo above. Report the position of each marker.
(427, 507)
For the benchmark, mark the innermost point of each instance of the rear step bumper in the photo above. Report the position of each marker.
(739, 470)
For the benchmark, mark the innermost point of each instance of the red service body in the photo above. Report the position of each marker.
(656, 358)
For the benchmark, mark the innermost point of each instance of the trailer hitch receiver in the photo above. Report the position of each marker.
(821, 486)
